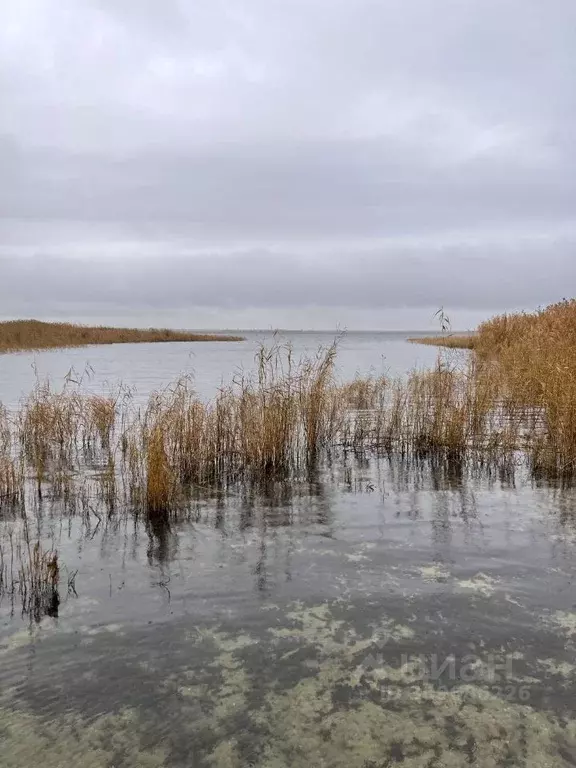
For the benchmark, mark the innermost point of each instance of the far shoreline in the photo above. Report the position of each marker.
(32, 335)
(452, 341)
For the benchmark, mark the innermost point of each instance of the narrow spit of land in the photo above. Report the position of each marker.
(19, 335)
(452, 341)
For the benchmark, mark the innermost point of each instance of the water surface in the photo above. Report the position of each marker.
(147, 367)
(373, 612)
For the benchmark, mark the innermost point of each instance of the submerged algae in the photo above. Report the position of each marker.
(345, 716)
(296, 693)
(110, 740)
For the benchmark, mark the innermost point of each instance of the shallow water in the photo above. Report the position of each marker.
(374, 612)
(148, 367)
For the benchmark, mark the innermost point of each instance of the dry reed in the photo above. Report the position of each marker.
(30, 575)
(533, 358)
(515, 398)
(536, 354)
(18, 335)
(11, 467)
(449, 340)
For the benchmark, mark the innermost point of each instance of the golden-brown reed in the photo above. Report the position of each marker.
(11, 467)
(264, 424)
(17, 335)
(364, 393)
(517, 395)
(536, 354)
(533, 357)
(452, 341)
(49, 428)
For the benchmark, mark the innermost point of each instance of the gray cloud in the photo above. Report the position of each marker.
(453, 275)
(354, 187)
(265, 155)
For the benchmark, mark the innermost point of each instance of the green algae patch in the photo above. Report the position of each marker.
(235, 684)
(345, 715)
(558, 668)
(225, 755)
(110, 740)
(565, 622)
(434, 572)
(321, 685)
(356, 557)
(318, 627)
(413, 725)
(480, 584)
(430, 729)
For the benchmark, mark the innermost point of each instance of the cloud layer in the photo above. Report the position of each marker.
(286, 157)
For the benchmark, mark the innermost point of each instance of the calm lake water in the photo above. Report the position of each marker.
(379, 612)
(152, 366)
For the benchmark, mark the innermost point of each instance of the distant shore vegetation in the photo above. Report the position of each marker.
(452, 341)
(19, 335)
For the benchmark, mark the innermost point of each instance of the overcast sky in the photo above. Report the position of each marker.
(293, 163)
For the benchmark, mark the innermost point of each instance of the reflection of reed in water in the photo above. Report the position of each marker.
(30, 577)
(162, 540)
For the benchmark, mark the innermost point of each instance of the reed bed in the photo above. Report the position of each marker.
(533, 355)
(536, 353)
(513, 400)
(452, 341)
(18, 335)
